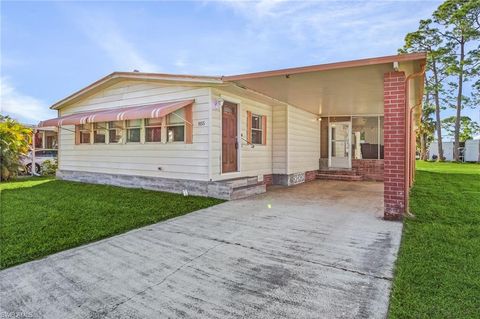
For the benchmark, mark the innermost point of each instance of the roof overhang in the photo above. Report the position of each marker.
(351, 87)
(342, 88)
(330, 66)
(116, 77)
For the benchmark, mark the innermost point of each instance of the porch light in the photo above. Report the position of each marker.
(219, 103)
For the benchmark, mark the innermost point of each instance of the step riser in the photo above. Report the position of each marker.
(248, 191)
(353, 178)
(238, 188)
(349, 173)
(249, 181)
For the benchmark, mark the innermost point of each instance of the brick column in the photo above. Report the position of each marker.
(395, 145)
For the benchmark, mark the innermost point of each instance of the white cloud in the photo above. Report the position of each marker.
(326, 31)
(106, 34)
(181, 61)
(21, 107)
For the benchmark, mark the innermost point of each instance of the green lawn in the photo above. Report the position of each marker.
(438, 269)
(42, 216)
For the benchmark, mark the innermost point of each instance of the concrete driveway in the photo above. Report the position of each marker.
(317, 250)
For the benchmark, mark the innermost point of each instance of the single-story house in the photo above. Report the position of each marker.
(231, 136)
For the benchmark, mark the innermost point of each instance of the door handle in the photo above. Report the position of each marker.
(236, 145)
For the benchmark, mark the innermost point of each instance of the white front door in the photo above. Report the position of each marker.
(339, 144)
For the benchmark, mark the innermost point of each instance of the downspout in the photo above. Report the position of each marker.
(408, 134)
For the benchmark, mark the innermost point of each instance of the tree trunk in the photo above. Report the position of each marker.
(423, 135)
(456, 144)
(438, 123)
(423, 148)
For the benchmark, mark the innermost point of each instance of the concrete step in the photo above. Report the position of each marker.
(249, 190)
(340, 177)
(241, 182)
(337, 171)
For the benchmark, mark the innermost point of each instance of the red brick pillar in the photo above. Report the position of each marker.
(395, 145)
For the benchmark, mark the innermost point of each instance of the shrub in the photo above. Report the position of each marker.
(14, 141)
(49, 167)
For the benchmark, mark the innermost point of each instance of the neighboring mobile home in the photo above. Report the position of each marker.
(472, 151)
(469, 151)
(230, 136)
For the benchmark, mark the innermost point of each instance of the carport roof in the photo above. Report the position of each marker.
(335, 89)
(315, 88)
(329, 66)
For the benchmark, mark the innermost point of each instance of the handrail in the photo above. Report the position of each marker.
(248, 143)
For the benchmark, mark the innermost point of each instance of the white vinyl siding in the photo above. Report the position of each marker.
(303, 143)
(175, 160)
(279, 123)
(295, 146)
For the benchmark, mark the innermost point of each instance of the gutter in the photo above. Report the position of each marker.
(408, 134)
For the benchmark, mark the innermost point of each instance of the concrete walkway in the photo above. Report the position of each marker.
(317, 250)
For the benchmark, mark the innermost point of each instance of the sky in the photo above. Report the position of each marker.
(52, 49)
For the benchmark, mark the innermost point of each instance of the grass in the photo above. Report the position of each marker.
(42, 216)
(437, 273)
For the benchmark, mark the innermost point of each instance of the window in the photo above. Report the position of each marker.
(257, 129)
(176, 126)
(153, 130)
(40, 154)
(46, 153)
(84, 133)
(367, 137)
(50, 139)
(115, 132)
(38, 139)
(133, 131)
(99, 132)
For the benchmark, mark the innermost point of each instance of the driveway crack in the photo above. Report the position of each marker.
(222, 241)
(349, 270)
(114, 308)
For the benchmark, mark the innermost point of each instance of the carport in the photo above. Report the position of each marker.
(368, 110)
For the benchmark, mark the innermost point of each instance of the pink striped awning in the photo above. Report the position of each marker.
(129, 113)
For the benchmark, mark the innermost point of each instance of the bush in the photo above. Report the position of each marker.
(14, 141)
(49, 167)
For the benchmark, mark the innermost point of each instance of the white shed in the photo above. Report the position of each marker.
(472, 151)
(447, 150)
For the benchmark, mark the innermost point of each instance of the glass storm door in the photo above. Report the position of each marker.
(339, 146)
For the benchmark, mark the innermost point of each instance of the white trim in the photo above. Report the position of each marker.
(142, 131)
(351, 115)
(209, 129)
(287, 138)
(163, 133)
(167, 79)
(329, 143)
(231, 99)
(349, 143)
